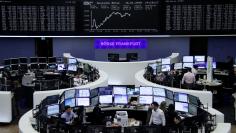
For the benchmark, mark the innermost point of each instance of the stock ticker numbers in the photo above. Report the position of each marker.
(117, 17)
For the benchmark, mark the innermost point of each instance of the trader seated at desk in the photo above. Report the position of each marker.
(68, 117)
(157, 116)
(188, 79)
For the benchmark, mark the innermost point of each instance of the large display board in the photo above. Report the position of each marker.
(117, 17)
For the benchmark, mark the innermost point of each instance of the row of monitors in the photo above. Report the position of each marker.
(200, 65)
(38, 60)
(146, 93)
(186, 59)
(42, 66)
(75, 102)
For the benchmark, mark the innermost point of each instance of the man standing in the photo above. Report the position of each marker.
(157, 117)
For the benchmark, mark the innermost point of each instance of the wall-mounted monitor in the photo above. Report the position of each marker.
(120, 99)
(180, 106)
(187, 65)
(72, 67)
(7, 62)
(69, 94)
(72, 60)
(52, 66)
(105, 91)
(15, 67)
(82, 102)
(119, 90)
(132, 56)
(105, 99)
(200, 65)
(146, 90)
(165, 61)
(113, 57)
(61, 67)
(94, 92)
(188, 59)
(53, 110)
(159, 91)
(83, 93)
(70, 102)
(145, 100)
(14, 60)
(199, 58)
(165, 68)
(158, 99)
(181, 97)
(178, 66)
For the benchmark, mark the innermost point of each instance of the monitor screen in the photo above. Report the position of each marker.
(105, 91)
(178, 66)
(52, 59)
(105, 99)
(159, 91)
(146, 90)
(82, 93)
(52, 109)
(52, 66)
(188, 59)
(82, 101)
(159, 99)
(181, 97)
(193, 100)
(119, 90)
(7, 62)
(14, 61)
(120, 99)
(14, 67)
(61, 67)
(69, 94)
(200, 65)
(169, 94)
(145, 99)
(23, 60)
(33, 60)
(183, 107)
(165, 61)
(42, 60)
(94, 92)
(189, 65)
(133, 91)
(94, 101)
(165, 68)
(70, 102)
(72, 61)
(72, 67)
(199, 58)
(34, 66)
(24, 67)
(42, 66)
(192, 109)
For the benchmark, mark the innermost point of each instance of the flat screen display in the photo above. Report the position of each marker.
(159, 99)
(183, 107)
(133, 91)
(188, 59)
(72, 67)
(105, 99)
(117, 90)
(159, 91)
(169, 94)
(33, 60)
(178, 66)
(34, 66)
(52, 66)
(165, 68)
(82, 101)
(187, 65)
(14, 61)
(181, 97)
(120, 99)
(94, 92)
(72, 61)
(61, 67)
(42, 60)
(53, 109)
(145, 99)
(199, 58)
(42, 66)
(23, 60)
(94, 101)
(193, 100)
(146, 90)
(105, 91)
(70, 102)
(69, 94)
(82, 93)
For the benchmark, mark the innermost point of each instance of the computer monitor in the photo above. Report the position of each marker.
(146, 90)
(178, 66)
(14, 67)
(34, 66)
(43, 66)
(113, 57)
(33, 60)
(159, 91)
(61, 67)
(14, 60)
(119, 90)
(165, 61)
(105, 91)
(24, 67)
(133, 91)
(94, 92)
(200, 65)
(158, 99)
(23, 60)
(52, 66)
(69, 94)
(52, 59)
(181, 97)
(105, 99)
(165, 68)
(192, 109)
(120, 99)
(82, 93)
(53, 109)
(42, 59)
(199, 58)
(70, 102)
(187, 65)
(132, 56)
(188, 59)
(180, 106)
(94, 101)
(82, 101)
(169, 94)
(72, 61)
(72, 68)
(7, 62)
(193, 100)
(145, 100)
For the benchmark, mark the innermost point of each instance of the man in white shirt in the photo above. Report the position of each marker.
(157, 116)
(188, 79)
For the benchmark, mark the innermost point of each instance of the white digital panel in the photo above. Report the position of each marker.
(190, 65)
(70, 102)
(84, 93)
(159, 92)
(145, 99)
(165, 61)
(120, 99)
(146, 90)
(188, 59)
(199, 58)
(82, 101)
(178, 66)
(69, 94)
(119, 90)
(181, 106)
(61, 67)
(159, 99)
(53, 109)
(105, 99)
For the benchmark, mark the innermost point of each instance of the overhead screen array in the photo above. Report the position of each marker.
(117, 17)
